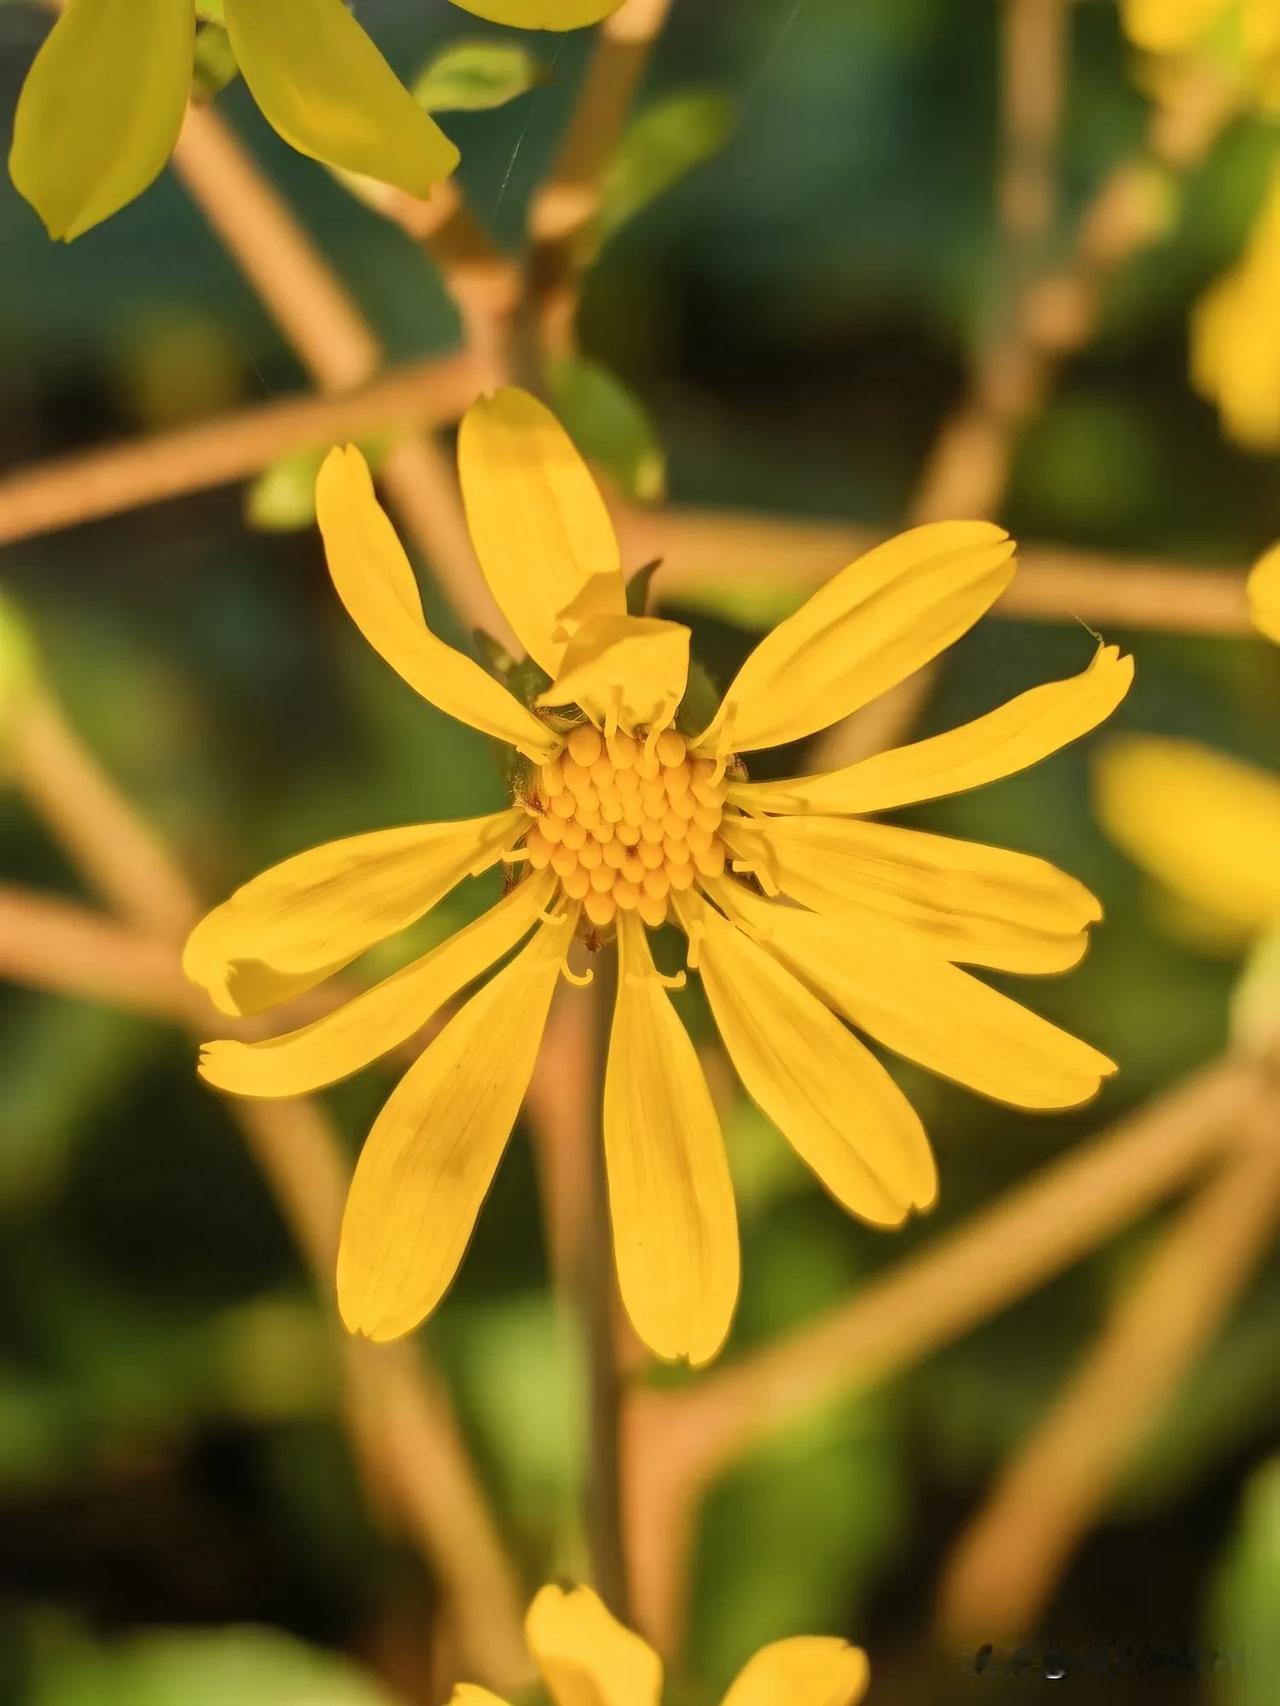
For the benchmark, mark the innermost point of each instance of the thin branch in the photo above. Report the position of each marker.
(566, 204)
(705, 551)
(1007, 1564)
(415, 1438)
(90, 484)
(678, 1440)
(318, 317)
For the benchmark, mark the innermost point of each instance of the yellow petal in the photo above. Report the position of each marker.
(586, 1656)
(430, 1158)
(324, 86)
(538, 523)
(675, 1227)
(1207, 826)
(1168, 26)
(304, 918)
(874, 623)
(624, 669)
(827, 1094)
(808, 1671)
(1264, 594)
(1016, 735)
(923, 1008)
(979, 905)
(377, 586)
(101, 108)
(541, 14)
(467, 1694)
(378, 1019)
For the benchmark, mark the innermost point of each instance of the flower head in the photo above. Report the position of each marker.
(102, 106)
(587, 1658)
(628, 811)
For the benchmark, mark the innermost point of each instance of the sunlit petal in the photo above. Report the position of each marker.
(586, 1656)
(377, 586)
(624, 669)
(968, 902)
(381, 1018)
(430, 1158)
(541, 14)
(1207, 826)
(467, 1694)
(874, 623)
(675, 1228)
(1264, 594)
(807, 1671)
(1169, 26)
(538, 523)
(925, 1009)
(324, 86)
(1017, 734)
(101, 108)
(828, 1095)
(304, 918)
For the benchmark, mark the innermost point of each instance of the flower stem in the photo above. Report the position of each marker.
(603, 1491)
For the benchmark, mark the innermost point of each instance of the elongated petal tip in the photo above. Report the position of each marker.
(541, 14)
(586, 1655)
(807, 1670)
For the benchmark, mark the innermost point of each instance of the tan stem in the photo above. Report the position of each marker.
(90, 484)
(413, 1435)
(566, 204)
(707, 551)
(677, 1441)
(1008, 1562)
(339, 348)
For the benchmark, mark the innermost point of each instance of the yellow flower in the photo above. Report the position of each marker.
(101, 108)
(629, 810)
(1176, 28)
(1264, 594)
(1207, 827)
(587, 1658)
(1235, 336)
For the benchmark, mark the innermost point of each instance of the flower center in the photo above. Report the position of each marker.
(625, 821)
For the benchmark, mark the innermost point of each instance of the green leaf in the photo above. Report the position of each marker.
(215, 63)
(257, 1666)
(472, 76)
(17, 660)
(609, 425)
(1255, 1001)
(664, 143)
(283, 497)
(1244, 1625)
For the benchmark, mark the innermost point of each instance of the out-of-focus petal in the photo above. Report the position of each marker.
(1012, 737)
(430, 1158)
(810, 1670)
(324, 86)
(376, 584)
(538, 523)
(586, 1656)
(101, 108)
(965, 901)
(869, 627)
(924, 1008)
(378, 1019)
(1207, 826)
(1169, 26)
(541, 14)
(293, 925)
(675, 1227)
(624, 669)
(1264, 594)
(467, 1694)
(824, 1090)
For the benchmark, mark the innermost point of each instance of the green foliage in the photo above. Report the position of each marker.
(255, 1667)
(609, 424)
(669, 138)
(1243, 1622)
(283, 497)
(472, 76)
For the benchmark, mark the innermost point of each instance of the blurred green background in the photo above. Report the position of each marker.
(796, 316)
